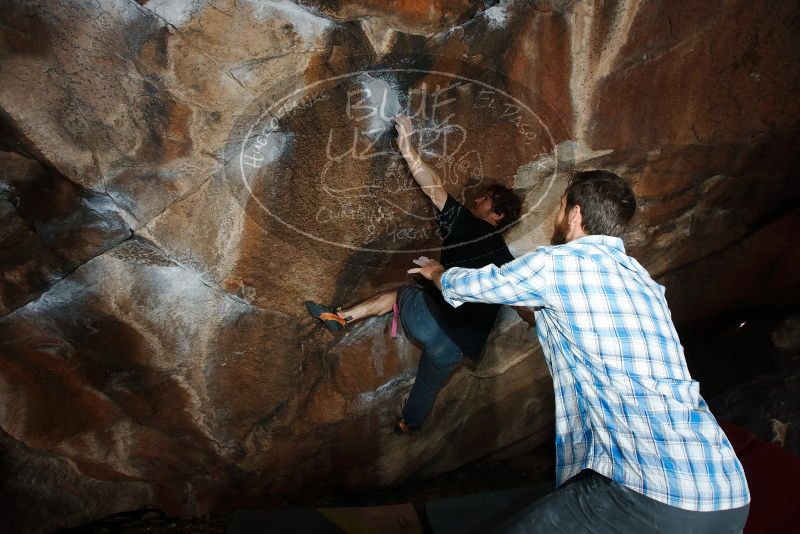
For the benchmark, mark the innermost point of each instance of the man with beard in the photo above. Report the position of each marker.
(637, 449)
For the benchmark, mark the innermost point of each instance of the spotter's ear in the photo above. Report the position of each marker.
(575, 217)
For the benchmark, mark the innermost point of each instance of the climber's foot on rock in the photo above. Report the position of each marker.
(328, 316)
(401, 427)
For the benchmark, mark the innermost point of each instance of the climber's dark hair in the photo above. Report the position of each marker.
(506, 203)
(607, 201)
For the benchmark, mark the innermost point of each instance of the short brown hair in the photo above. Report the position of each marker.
(506, 203)
(607, 201)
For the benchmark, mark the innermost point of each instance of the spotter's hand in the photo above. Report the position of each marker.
(428, 268)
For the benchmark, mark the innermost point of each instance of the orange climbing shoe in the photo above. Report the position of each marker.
(327, 315)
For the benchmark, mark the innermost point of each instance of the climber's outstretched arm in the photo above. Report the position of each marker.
(423, 173)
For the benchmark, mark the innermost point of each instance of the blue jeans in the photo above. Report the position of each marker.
(591, 502)
(439, 354)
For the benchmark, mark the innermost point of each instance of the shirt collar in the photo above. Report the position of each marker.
(607, 240)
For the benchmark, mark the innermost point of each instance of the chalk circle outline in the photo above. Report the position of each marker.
(308, 87)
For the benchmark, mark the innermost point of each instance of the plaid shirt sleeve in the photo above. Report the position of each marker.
(521, 282)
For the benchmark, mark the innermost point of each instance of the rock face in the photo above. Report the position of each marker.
(774, 417)
(177, 177)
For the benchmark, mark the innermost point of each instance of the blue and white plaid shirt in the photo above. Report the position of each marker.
(626, 406)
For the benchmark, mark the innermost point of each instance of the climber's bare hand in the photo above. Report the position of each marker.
(404, 131)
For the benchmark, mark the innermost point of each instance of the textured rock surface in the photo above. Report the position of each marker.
(774, 417)
(154, 351)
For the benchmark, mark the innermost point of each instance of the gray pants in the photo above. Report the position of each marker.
(594, 503)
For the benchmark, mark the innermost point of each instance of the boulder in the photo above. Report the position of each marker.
(176, 178)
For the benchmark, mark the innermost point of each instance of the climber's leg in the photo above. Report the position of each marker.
(439, 355)
(336, 319)
(380, 304)
(434, 369)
